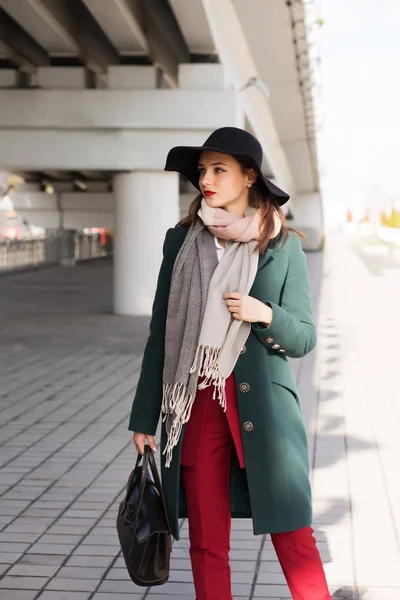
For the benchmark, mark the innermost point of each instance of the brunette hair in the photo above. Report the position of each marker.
(258, 199)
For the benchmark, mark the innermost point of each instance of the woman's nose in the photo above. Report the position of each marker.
(205, 178)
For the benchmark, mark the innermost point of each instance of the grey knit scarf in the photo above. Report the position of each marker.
(202, 339)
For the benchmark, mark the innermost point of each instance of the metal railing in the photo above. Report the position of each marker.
(65, 247)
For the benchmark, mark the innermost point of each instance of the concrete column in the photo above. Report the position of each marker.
(146, 205)
(308, 217)
(234, 53)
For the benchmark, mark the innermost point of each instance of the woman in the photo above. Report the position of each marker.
(232, 302)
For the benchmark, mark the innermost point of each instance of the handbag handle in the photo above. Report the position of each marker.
(148, 458)
(157, 481)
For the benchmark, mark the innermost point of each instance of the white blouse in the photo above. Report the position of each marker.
(220, 249)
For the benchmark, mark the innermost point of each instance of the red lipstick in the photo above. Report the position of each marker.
(208, 194)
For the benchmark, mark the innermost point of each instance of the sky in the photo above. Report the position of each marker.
(360, 138)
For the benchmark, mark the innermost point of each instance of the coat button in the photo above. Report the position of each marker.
(243, 350)
(244, 387)
(275, 347)
(282, 351)
(269, 340)
(248, 426)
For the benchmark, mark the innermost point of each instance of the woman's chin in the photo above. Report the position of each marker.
(214, 202)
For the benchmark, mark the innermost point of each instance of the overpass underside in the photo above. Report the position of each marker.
(95, 92)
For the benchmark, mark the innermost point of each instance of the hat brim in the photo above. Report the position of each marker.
(183, 159)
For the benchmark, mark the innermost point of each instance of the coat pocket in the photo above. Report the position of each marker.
(288, 388)
(281, 373)
(288, 400)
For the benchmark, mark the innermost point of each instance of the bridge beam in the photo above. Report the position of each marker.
(19, 47)
(235, 55)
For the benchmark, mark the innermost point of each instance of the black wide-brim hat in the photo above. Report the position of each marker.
(227, 140)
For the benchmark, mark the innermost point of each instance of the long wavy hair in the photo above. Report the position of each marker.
(258, 199)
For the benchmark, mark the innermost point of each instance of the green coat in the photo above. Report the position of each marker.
(274, 487)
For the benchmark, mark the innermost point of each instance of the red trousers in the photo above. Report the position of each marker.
(206, 486)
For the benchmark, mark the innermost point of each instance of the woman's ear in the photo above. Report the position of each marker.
(251, 177)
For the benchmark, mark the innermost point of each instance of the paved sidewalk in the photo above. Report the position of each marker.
(68, 370)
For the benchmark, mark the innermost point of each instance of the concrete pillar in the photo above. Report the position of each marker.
(308, 217)
(146, 205)
(8, 78)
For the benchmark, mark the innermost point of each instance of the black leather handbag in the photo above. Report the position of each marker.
(142, 524)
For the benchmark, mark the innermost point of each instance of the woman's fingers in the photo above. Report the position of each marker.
(151, 442)
(139, 447)
(139, 441)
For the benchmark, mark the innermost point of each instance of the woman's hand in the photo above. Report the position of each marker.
(247, 308)
(139, 440)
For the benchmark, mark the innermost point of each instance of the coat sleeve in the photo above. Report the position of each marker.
(292, 326)
(146, 405)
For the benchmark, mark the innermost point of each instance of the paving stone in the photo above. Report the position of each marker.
(241, 589)
(39, 548)
(268, 591)
(120, 562)
(107, 540)
(83, 524)
(266, 555)
(57, 595)
(13, 547)
(244, 567)
(42, 559)
(270, 567)
(27, 538)
(48, 504)
(24, 570)
(18, 594)
(70, 540)
(271, 578)
(380, 593)
(9, 510)
(122, 574)
(158, 595)
(23, 583)
(121, 587)
(39, 512)
(68, 529)
(180, 564)
(9, 557)
(84, 572)
(343, 593)
(89, 561)
(27, 526)
(173, 589)
(72, 585)
(112, 596)
(245, 555)
(89, 550)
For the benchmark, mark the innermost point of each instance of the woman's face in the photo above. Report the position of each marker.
(223, 183)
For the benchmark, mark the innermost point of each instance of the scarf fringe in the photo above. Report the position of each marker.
(175, 396)
(210, 371)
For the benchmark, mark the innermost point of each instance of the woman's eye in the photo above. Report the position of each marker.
(216, 170)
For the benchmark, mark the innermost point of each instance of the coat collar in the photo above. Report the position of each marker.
(263, 260)
(266, 259)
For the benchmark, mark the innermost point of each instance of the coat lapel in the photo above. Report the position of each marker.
(266, 258)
